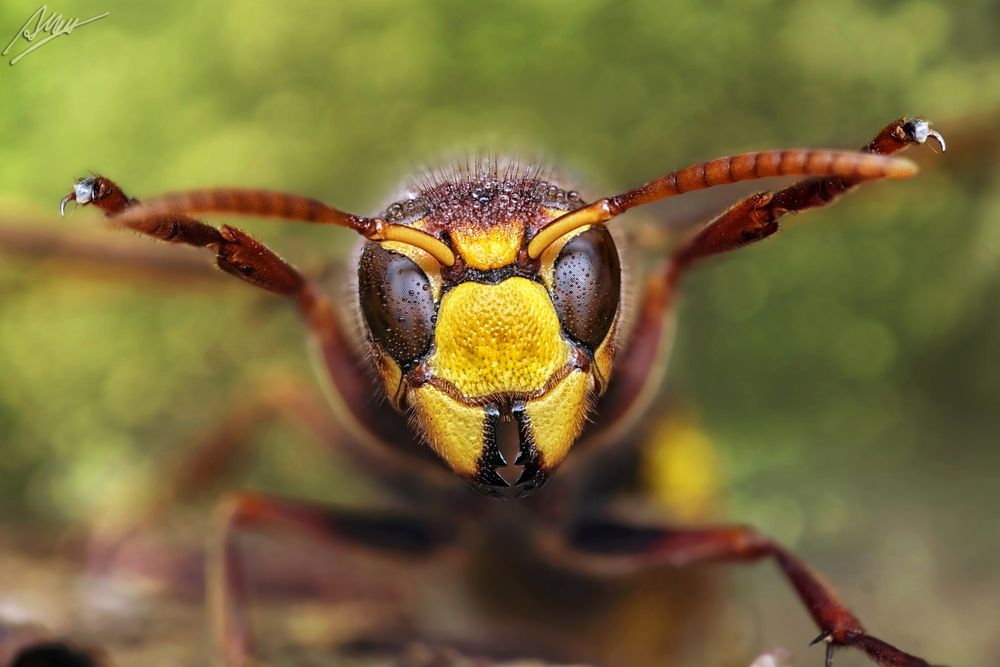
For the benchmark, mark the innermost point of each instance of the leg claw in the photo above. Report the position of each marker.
(85, 190)
(919, 130)
(823, 636)
(98, 191)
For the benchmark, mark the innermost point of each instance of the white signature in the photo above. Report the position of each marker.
(53, 25)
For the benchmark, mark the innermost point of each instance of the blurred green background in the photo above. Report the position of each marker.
(847, 371)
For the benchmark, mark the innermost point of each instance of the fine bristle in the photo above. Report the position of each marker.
(480, 167)
(482, 190)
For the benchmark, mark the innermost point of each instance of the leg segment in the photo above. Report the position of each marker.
(756, 217)
(259, 203)
(750, 220)
(239, 254)
(403, 536)
(613, 547)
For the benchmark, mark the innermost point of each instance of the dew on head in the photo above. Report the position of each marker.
(485, 191)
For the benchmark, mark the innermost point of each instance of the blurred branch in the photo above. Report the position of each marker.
(105, 256)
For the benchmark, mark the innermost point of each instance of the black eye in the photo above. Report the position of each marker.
(586, 286)
(397, 304)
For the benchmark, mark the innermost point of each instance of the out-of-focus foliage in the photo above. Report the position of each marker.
(847, 372)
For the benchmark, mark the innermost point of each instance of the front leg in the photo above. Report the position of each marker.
(355, 395)
(237, 253)
(639, 371)
(606, 546)
(756, 217)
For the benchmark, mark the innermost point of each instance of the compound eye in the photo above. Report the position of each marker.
(586, 286)
(396, 300)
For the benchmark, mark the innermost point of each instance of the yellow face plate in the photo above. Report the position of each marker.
(497, 338)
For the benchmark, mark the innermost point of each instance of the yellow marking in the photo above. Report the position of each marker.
(491, 247)
(391, 375)
(681, 468)
(552, 213)
(557, 418)
(452, 429)
(604, 355)
(547, 268)
(498, 338)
